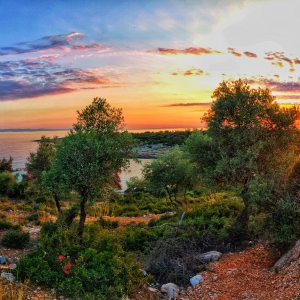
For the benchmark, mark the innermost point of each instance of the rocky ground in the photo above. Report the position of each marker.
(241, 275)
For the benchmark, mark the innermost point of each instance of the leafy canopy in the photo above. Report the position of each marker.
(40, 161)
(6, 164)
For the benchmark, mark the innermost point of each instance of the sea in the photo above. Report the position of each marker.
(19, 144)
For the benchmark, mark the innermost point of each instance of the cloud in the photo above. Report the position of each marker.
(289, 97)
(250, 54)
(280, 86)
(297, 61)
(192, 50)
(232, 51)
(188, 72)
(31, 78)
(192, 71)
(63, 42)
(188, 104)
(278, 58)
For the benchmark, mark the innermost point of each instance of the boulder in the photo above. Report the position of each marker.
(170, 288)
(196, 279)
(288, 258)
(209, 256)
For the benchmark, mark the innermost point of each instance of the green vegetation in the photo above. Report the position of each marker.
(238, 180)
(15, 239)
(6, 164)
(168, 138)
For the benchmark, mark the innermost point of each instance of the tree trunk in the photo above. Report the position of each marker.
(82, 217)
(169, 193)
(56, 199)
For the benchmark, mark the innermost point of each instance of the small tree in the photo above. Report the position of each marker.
(87, 160)
(171, 171)
(40, 161)
(6, 165)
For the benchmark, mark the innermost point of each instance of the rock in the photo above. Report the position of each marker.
(10, 277)
(289, 257)
(209, 256)
(170, 288)
(196, 279)
(2, 260)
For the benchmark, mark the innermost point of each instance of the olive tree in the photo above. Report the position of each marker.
(6, 164)
(257, 141)
(172, 171)
(88, 158)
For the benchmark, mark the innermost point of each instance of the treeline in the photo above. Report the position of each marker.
(168, 138)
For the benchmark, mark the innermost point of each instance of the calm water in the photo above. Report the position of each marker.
(20, 144)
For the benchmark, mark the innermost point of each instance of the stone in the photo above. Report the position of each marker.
(288, 258)
(171, 288)
(2, 260)
(10, 277)
(196, 279)
(209, 256)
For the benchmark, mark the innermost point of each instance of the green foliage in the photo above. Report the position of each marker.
(135, 184)
(8, 225)
(138, 204)
(99, 268)
(6, 164)
(217, 214)
(283, 224)
(88, 159)
(15, 239)
(136, 238)
(7, 182)
(107, 224)
(171, 172)
(204, 153)
(168, 138)
(40, 161)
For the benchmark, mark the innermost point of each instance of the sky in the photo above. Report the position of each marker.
(159, 61)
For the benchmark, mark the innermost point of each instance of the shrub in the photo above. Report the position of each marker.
(218, 214)
(8, 225)
(15, 239)
(107, 224)
(7, 180)
(283, 224)
(135, 238)
(102, 270)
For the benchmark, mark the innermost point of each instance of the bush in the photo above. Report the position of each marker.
(102, 270)
(107, 224)
(7, 181)
(218, 214)
(135, 238)
(8, 225)
(15, 239)
(283, 224)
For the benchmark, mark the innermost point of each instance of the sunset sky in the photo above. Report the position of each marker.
(158, 60)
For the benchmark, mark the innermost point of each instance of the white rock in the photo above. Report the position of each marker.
(196, 279)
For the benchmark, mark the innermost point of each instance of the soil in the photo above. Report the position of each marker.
(241, 275)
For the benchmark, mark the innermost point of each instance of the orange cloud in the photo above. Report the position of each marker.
(232, 51)
(250, 54)
(191, 50)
